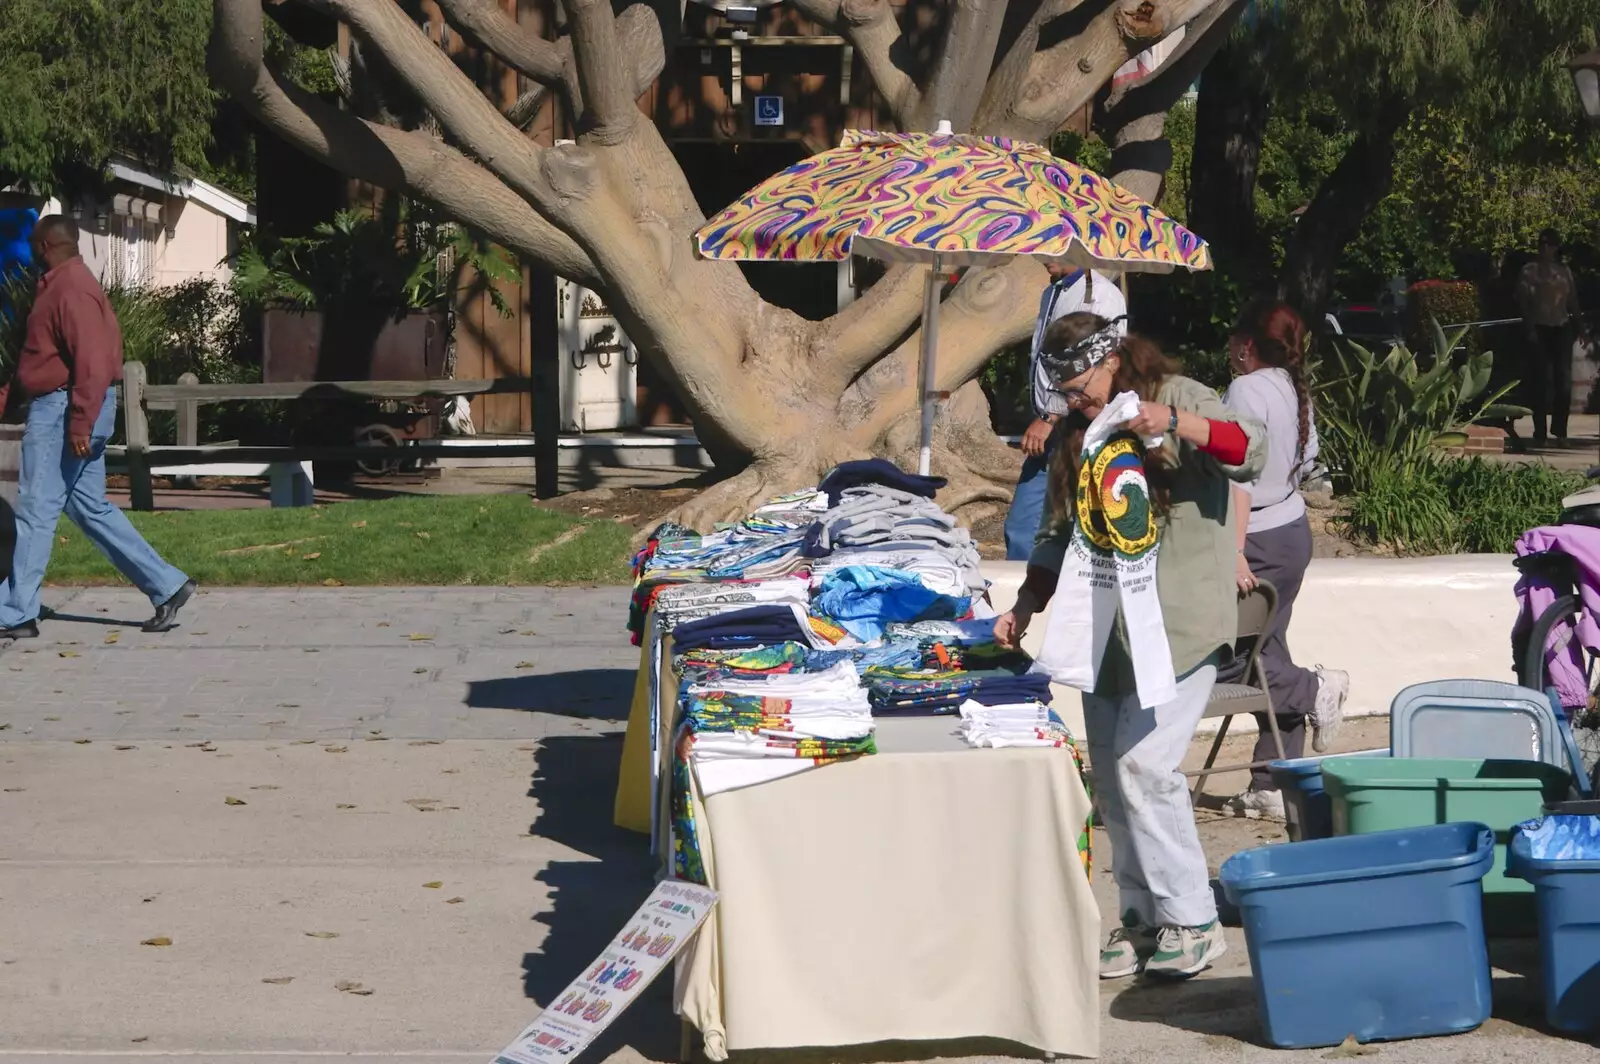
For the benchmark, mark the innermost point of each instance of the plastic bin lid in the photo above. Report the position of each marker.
(1381, 854)
(1475, 719)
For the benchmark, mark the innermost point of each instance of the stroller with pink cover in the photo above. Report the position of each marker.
(1556, 639)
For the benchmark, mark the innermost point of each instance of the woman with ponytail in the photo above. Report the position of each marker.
(1267, 356)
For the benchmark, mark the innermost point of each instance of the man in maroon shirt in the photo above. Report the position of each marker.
(69, 367)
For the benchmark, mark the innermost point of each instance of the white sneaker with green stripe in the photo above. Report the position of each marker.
(1185, 951)
(1127, 949)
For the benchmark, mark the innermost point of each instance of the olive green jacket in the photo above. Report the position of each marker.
(1195, 571)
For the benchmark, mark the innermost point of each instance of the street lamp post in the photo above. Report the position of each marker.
(1586, 76)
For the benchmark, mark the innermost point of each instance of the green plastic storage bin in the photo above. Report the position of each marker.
(1391, 793)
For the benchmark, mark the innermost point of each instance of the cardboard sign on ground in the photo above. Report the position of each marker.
(648, 942)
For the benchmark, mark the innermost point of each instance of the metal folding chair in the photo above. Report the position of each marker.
(1257, 611)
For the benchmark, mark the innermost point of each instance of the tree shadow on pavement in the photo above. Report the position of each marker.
(1222, 1007)
(596, 694)
(594, 891)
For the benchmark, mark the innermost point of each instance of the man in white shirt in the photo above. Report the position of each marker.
(1065, 295)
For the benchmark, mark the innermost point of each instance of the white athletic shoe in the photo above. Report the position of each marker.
(1333, 687)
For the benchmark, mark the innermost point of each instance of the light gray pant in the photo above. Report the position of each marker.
(1137, 758)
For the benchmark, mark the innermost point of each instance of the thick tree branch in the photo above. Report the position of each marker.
(414, 163)
(1005, 82)
(1064, 75)
(443, 89)
(858, 335)
(872, 28)
(483, 23)
(610, 102)
(956, 85)
(1162, 88)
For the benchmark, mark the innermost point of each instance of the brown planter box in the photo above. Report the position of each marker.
(307, 346)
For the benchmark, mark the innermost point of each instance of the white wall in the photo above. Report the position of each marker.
(1389, 622)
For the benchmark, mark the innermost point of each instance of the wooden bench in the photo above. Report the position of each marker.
(288, 468)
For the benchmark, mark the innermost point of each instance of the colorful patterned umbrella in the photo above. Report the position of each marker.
(951, 201)
(905, 197)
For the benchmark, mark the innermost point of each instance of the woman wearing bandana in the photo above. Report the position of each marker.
(1169, 917)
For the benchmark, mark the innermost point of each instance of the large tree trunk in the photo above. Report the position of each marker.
(1230, 125)
(1345, 198)
(776, 398)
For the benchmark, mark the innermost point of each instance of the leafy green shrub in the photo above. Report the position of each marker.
(1381, 415)
(361, 262)
(1452, 302)
(1007, 381)
(1440, 505)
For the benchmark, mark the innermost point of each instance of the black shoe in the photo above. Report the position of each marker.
(25, 630)
(166, 617)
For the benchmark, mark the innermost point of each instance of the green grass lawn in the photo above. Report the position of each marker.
(431, 540)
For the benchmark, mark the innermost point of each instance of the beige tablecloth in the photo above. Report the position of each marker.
(928, 893)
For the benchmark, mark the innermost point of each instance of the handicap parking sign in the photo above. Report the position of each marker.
(769, 110)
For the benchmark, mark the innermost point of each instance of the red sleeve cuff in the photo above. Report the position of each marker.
(1229, 444)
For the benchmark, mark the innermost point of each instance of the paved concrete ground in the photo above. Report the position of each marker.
(372, 765)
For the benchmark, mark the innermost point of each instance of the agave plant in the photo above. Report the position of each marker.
(1394, 411)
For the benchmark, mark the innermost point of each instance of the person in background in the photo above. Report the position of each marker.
(1266, 354)
(1548, 297)
(1067, 293)
(69, 366)
(1169, 912)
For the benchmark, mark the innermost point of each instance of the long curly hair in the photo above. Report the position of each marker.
(1279, 335)
(1141, 369)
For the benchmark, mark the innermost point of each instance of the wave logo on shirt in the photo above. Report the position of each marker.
(1113, 499)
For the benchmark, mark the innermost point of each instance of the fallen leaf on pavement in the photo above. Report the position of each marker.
(331, 582)
(159, 940)
(1350, 1048)
(528, 632)
(524, 664)
(82, 742)
(69, 654)
(344, 805)
(112, 637)
(345, 986)
(435, 885)
(419, 670)
(5, 727)
(384, 624)
(336, 749)
(422, 805)
(508, 631)
(230, 800)
(425, 742)
(141, 1038)
(454, 901)
(419, 637)
(278, 980)
(302, 742)
(15, 790)
(126, 748)
(322, 934)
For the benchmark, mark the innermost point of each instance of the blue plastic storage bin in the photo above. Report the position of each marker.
(1568, 897)
(1306, 805)
(1378, 936)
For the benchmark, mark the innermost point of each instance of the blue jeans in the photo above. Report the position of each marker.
(1027, 507)
(53, 481)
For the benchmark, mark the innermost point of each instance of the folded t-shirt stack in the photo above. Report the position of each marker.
(876, 518)
(864, 599)
(742, 629)
(1015, 724)
(740, 731)
(910, 691)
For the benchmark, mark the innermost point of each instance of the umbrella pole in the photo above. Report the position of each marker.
(930, 350)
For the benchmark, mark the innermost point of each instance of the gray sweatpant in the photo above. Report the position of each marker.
(1280, 555)
(1137, 758)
